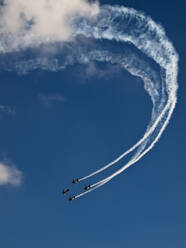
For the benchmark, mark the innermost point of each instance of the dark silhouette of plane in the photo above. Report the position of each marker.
(75, 181)
(65, 191)
(87, 187)
(71, 198)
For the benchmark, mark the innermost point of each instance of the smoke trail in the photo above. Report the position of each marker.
(142, 40)
(136, 158)
(152, 41)
(146, 135)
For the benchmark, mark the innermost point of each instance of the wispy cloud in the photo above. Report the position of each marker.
(93, 70)
(9, 174)
(51, 99)
(7, 110)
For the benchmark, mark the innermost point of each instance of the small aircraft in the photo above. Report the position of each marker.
(87, 187)
(65, 191)
(75, 181)
(71, 198)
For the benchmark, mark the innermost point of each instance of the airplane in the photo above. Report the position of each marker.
(87, 187)
(65, 191)
(75, 181)
(71, 198)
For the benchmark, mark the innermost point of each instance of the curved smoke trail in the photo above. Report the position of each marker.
(143, 39)
(127, 25)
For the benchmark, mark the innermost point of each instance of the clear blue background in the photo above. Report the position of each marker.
(144, 207)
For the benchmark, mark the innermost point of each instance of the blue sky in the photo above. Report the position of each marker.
(60, 125)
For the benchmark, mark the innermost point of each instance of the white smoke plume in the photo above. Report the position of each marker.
(36, 23)
(9, 175)
(127, 25)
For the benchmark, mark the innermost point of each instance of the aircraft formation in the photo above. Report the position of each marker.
(74, 181)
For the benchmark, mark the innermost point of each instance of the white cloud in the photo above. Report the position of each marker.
(37, 21)
(9, 175)
(49, 99)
